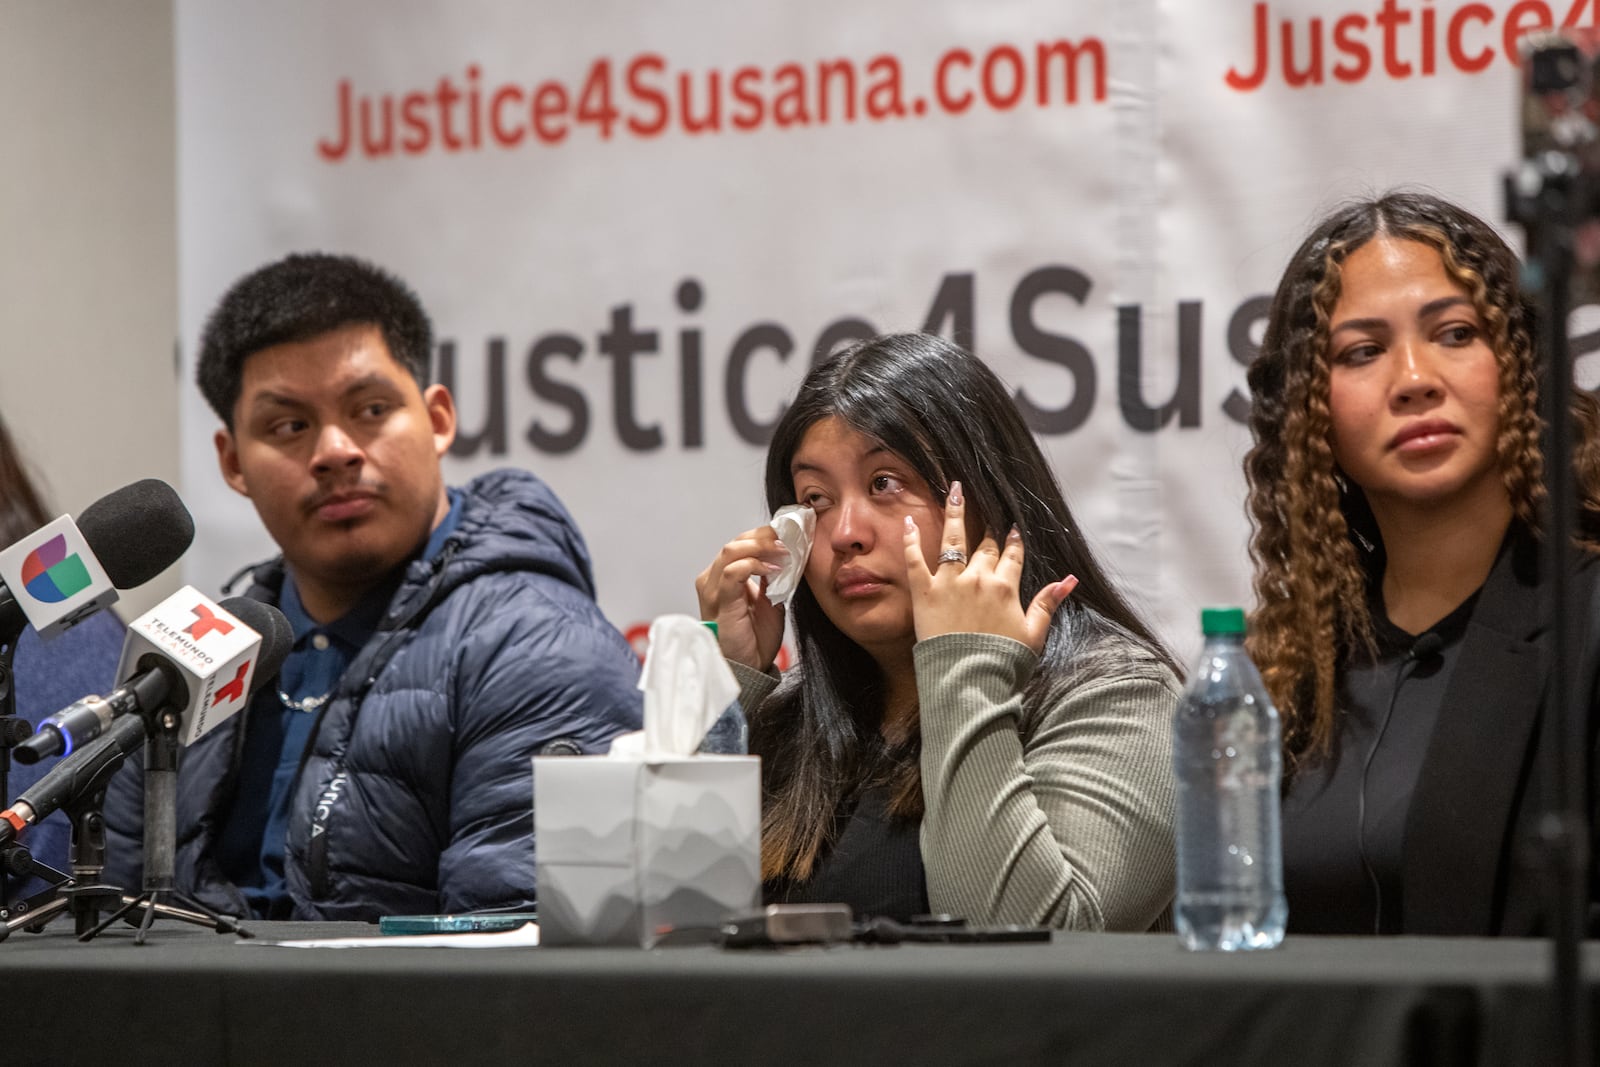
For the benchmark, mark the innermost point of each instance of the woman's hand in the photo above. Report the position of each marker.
(749, 626)
(984, 594)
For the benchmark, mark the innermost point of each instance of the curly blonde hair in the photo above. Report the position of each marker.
(1314, 545)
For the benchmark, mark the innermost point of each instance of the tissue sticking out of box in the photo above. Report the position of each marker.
(686, 685)
(794, 524)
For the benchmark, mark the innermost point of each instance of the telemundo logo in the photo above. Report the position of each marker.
(50, 575)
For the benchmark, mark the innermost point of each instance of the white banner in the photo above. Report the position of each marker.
(635, 224)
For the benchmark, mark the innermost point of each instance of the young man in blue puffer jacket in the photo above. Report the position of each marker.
(443, 636)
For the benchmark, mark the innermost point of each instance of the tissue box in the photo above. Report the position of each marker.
(626, 847)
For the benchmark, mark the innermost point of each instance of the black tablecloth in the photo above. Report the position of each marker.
(191, 996)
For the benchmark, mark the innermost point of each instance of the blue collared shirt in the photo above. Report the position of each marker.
(250, 846)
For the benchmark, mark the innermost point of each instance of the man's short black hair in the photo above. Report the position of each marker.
(300, 297)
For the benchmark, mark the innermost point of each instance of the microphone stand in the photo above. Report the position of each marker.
(160, 837)
(1548, 199)
(15, 858)
(81, 894)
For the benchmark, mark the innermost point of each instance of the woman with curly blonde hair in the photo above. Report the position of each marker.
(1395, 491)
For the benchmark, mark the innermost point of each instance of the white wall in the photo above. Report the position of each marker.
(88, 247)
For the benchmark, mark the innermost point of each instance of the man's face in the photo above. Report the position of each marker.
(338, 449)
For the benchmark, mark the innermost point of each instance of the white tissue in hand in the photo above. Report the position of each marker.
(686, 685)
(794, 525)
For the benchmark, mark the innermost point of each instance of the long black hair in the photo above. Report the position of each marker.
(945, 413)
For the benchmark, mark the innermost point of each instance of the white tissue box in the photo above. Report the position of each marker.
(626, 847)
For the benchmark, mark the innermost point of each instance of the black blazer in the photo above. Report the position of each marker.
(1469, 867)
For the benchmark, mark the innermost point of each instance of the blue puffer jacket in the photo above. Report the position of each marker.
(416, 794)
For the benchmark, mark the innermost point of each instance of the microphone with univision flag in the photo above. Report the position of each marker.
(64, 572)
(54, 577)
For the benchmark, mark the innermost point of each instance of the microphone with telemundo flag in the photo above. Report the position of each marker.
(64, 572)
(187, 655)
(211, 653)
(151, 678)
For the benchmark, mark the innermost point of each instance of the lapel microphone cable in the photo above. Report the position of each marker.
(1426, 647)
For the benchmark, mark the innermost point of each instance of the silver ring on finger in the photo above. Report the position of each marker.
(952, 555)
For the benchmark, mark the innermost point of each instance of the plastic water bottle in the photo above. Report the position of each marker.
(729, 735)
(1228, 762)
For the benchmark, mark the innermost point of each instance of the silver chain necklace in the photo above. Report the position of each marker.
(304, 703)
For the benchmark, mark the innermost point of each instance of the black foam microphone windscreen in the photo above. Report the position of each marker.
(137, 531)
(277, 638)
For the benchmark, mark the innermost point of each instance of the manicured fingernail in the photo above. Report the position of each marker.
(911, 524)
(1014, 535)
(955, 494)
(773, 568)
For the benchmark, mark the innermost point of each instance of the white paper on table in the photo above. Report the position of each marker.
(524, 936)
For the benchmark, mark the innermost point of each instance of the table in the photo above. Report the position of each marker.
(192, 996)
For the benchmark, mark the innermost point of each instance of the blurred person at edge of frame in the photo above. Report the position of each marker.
(49, 674)
(1395, 487)
(979, 724)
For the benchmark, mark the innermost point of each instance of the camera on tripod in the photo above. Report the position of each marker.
(1558, 180)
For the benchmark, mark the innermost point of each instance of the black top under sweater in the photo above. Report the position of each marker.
(874, 865)
(1328, 884)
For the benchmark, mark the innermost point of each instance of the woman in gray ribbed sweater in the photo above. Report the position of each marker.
(959, 736)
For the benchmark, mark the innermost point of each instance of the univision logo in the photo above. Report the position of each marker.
(50, 575)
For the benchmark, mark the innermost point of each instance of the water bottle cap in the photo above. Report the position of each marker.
(1214, 621)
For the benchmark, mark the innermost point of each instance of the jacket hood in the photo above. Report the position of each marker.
(511, 520)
